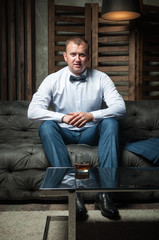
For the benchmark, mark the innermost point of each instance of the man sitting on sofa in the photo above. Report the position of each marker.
(77, 93)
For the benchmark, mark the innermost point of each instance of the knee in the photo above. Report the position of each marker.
(47, 127)
(110, 124)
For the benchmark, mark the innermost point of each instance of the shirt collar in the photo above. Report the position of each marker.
(70, 73)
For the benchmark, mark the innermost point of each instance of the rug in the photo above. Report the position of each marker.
(134, 224)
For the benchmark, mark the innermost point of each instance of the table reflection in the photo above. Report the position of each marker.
(102, 178)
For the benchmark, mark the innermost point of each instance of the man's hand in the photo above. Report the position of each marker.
(66, 119)
(78, 119)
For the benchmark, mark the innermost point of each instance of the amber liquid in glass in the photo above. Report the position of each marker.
(82, 170)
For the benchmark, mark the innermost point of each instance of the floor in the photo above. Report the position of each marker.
(63, 206)
(37, 207)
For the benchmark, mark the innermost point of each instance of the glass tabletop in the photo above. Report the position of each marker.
(129, 178)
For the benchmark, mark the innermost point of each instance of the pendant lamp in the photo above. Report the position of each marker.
(120, 10)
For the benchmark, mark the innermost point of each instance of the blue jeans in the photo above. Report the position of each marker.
(105, 134)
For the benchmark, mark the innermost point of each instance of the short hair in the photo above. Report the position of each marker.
(77, 40)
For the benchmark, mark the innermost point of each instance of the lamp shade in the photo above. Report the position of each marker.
(120, 10)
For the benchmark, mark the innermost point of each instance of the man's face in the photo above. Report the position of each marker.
(76, 57)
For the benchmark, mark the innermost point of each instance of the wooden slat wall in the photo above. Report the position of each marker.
(148, 54)
(64, 22)
(17, 63)
(113, 51)
(112, 45)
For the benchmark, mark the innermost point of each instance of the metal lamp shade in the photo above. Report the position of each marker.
(120, 10)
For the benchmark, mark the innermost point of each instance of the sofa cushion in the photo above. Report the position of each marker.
(22, 167)
(74, 149)
(14, 124)
(149, 149)
(130, 159)
(141, 121)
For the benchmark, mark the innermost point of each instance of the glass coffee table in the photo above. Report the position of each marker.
(62, 182)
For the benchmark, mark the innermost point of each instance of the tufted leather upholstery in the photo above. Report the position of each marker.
(142, 120)
(22, 160)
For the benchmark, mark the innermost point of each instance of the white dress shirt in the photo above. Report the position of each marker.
(69, 97)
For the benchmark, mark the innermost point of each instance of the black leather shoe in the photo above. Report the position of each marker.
(105, 204)
(81, 211)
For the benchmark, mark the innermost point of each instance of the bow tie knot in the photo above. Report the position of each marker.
(81, 78)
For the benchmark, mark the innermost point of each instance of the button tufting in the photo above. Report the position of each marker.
(24, 129)
(25, 137)
(9, 170)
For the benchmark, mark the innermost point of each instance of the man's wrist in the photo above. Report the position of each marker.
(62, 119)
(92, 117)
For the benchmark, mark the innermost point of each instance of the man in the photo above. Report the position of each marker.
(77, 93)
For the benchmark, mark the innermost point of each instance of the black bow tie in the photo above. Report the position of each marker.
(81, 78)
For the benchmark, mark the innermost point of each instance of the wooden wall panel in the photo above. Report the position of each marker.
(17, 61)
(3, 54)
(127, 51)
(148, 54)
(64, 22)
(113, 51)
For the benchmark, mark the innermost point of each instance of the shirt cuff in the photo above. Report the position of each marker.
(98, 116)
(58, 117)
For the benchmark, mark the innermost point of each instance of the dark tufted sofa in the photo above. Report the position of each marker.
(22, 160)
